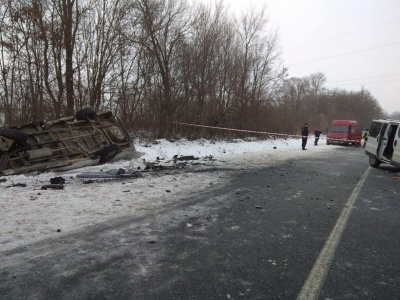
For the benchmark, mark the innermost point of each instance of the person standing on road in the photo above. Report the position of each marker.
(366, 135)
(317, 134)
(304, 136)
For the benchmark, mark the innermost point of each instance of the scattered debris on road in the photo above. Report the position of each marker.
(109, 174)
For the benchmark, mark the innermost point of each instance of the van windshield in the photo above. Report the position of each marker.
(339, 128)
(375, 129)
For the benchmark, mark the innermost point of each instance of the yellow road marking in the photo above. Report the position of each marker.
(312, 287)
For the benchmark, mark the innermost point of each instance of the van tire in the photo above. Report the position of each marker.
(374, 162)
(116, 134)
(108, 153)
(85, 114)
(18, 136)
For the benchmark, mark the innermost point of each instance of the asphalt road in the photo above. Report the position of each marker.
(320, 228)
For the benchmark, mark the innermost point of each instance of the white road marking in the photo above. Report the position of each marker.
(312, 287)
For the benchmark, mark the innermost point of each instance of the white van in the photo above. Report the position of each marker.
(383, 145)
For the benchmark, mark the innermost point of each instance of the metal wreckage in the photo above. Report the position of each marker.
(86, 139)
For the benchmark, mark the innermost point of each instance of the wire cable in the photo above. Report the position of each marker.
(342, 54)
(338, 36)
(362, 83)
(363, 78)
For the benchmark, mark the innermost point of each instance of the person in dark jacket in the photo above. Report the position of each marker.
(304, 136)
(317, 134)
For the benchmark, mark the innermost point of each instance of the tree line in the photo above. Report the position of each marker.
(155, 62)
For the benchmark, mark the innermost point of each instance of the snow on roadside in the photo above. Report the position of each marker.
(201, 148)
(30, 214)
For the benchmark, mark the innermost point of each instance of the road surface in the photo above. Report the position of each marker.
(323, 227)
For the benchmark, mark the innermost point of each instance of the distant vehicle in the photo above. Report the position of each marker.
(345, 132)
(383, 145)
(88, 138)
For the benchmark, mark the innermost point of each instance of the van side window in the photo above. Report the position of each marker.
(375, 129)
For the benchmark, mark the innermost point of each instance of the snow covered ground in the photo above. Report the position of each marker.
(30, 214)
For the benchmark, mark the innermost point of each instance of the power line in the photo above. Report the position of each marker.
(363, 78)
(342, 54)
(338, 36)
(362, 83)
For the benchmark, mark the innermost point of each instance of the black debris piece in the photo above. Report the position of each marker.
(185, 157)
(53, 186)
(57, 180)
(17, 185)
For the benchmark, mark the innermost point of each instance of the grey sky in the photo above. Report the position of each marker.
(355, 43)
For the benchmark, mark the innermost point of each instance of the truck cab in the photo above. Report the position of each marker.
(383, 145)
(345, 132)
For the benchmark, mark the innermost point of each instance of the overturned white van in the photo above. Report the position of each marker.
(86, 139)
(383, 145)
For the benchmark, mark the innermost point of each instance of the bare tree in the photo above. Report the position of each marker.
(202, 60)
(102, 42)
(6, 65)
(163, 24)
(293, 98)
(155, 61)
(260, 65)
(316, 81)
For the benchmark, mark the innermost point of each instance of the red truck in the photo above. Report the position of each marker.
(345, 132)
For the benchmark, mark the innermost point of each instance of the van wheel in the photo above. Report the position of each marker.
(328, 142)
(374, 162)
(108, 153)
(86, 113)
(116, 134)
(18, 136)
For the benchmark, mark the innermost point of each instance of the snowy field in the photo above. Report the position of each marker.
(30, 214)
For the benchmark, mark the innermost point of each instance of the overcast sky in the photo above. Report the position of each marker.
(355, 43)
